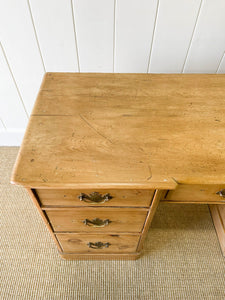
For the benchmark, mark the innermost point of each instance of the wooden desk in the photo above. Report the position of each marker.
(101, 151)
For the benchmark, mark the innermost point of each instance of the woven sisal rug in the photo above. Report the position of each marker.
(181, 260)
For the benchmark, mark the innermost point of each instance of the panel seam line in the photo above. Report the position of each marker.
(114, 36)
(36, 37)
(153, 35)
(220, 62)
(75, 35)
(14, 80)
(3, 124)
(192, 36)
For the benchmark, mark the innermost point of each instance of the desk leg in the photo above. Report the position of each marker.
(151, 213)
(35, 199)
(218, 216)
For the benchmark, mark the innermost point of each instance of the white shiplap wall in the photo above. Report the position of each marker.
(173, 32)
(155, 36)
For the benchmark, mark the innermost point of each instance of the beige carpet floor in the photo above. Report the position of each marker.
(182, 258)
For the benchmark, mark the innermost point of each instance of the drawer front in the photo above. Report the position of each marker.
(97, 220)
(104, 243)
(197, 193)
(49, 197)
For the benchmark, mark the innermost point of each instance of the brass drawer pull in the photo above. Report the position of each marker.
(221, 193)
(97, 222)
(94, 197)
(98, 245)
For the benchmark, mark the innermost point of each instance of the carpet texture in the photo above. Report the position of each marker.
(181, 260)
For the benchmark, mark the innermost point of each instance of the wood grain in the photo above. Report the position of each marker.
(126, 135)
(120, 130)
(52, 197)
(44, 218)
(121, 220)
(218, 216)
(78, 243)
(150, 216)
(196, 193)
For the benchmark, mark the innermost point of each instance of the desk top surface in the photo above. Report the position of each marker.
(125, 131)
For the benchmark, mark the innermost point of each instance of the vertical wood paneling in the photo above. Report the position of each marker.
(221, 68)
(134, 28)
(53, 21)
(171, 36)
(208, 42)
(12, 112)
(20, 45)
(174, 27)
(94, 21)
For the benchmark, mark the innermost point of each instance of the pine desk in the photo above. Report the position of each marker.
(101, 151)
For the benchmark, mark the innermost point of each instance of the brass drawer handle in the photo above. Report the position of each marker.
(221, 193)
(94, 197)
(97, 222)
(98, 245)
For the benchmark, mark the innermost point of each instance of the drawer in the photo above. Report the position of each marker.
(67, 197)
(97, 219)
(104, 243)
(197, 193)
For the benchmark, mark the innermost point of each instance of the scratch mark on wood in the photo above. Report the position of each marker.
(99, 133)
(150, 171)
(174, 180)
